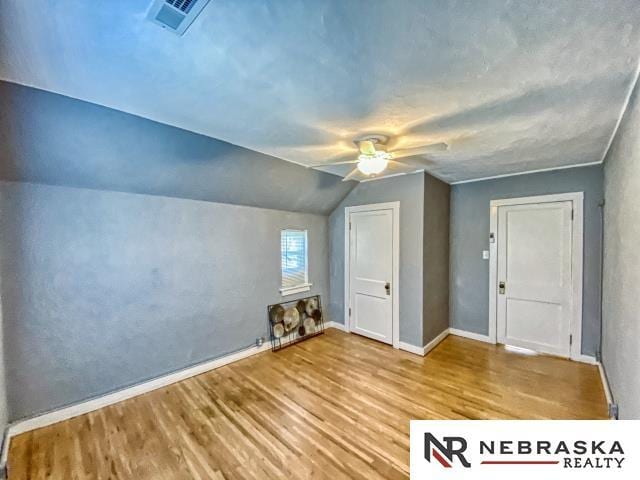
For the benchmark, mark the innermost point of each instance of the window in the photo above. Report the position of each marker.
(293, 261)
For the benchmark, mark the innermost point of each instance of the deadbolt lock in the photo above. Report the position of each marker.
(387, 287)
(501, 287)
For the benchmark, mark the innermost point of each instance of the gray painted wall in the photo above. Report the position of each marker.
(435, 258)
(4, 410)
(470, 232)
(409, 190)
(55, 140)
(102, 290)
(621, 283)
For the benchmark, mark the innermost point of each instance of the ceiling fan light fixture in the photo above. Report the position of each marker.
(373, 164)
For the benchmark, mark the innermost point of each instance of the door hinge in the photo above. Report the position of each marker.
(349, 226)
(570, 339)
(572, 214)
(349, 311)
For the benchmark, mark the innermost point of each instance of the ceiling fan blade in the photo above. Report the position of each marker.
(398, 164)
(352, 174)
(410, 152)
(320, 165)
(367, 147)
(437, 147)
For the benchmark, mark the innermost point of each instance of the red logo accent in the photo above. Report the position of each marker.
(440, 458)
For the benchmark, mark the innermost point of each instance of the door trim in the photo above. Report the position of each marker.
(395, 280)
(577, 244)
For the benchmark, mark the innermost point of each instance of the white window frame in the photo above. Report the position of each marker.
(306, 286)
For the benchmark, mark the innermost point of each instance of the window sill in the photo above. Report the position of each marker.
(305, 287)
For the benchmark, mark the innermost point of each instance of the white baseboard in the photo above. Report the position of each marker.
(586, 359)
(422, 351)
(473, 336)
(93, 404)
(336, 325)
(4, 455)
(97, 403)
(605, 383)
(436, 341)
(407, 347)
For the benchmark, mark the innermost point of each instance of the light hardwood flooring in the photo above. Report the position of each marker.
(336, 406)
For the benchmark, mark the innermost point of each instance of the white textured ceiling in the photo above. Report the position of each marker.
(511, 86)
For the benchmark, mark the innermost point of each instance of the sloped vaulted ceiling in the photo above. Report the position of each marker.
(509, 85)
(56, 140)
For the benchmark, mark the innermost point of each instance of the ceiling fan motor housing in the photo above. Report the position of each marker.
(378, 141)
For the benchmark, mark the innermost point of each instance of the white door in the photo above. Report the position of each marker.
(370, 274)
(534, 298)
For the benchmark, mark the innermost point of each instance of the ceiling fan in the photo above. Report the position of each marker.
(373, 157)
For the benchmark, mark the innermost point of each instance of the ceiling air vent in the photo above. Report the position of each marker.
(175, 15)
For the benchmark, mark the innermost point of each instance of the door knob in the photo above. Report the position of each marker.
(387, 287)
(501, 287)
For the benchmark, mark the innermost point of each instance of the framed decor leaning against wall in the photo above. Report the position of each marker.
(294, 321)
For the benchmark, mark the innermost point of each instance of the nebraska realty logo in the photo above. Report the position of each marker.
(455, 447)
(528, 449)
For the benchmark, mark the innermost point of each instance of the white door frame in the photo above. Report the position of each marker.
(395, 280)
(577, 244)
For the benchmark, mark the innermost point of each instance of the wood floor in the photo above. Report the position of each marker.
(336, 406)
